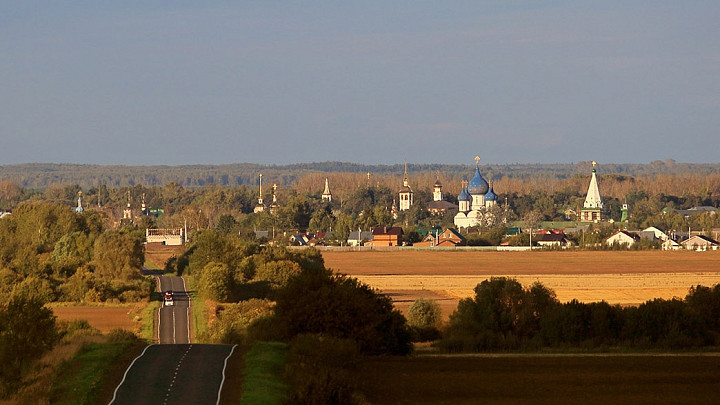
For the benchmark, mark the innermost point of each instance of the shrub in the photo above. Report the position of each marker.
(232, 323)
(216, 282)
(319, 370)
(121, 336)
(319, 302)
(423, 313)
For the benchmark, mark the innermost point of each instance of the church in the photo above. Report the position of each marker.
(593, 209)
(475, 200)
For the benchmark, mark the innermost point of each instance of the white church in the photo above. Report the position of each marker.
(475, 200)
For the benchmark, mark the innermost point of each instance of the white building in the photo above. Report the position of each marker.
(474, 200)
(593, 210)
(405, 193)
(327, 195)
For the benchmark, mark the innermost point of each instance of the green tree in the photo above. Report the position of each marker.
(423, 313)
(119, 254)
(216, 282)
(27, 330)
(320, 302)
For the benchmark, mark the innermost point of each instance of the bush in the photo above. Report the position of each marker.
(233, 321)
(319, 302)
(216, 282)
(424, 313)
(319, 370)
(121, 336)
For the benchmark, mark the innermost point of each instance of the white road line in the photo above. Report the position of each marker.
(223, 373)
(126, 373)
(159, 320)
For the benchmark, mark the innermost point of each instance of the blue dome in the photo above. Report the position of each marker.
(478, 185)
(491, 196)
(464, 195)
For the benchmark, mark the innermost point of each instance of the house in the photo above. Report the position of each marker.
(448, 238)
(358, 238)
(440, 207)
(656, 233)
(670, 244)
(697, 211)
(623, 238)
(299, 240)
(552, 239)
(386, 236)
(700, 243)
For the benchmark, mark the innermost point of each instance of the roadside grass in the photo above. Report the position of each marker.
(199, 310)
(264, 367)
(147, 318)
(85, 378)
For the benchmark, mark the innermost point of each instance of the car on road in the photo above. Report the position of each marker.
(169, 298)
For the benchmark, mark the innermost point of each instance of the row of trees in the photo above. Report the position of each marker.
(50, 253)
(505, 316)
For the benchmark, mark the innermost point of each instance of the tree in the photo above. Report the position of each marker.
(216, 282)
(119, 254)
(424, 313)
(27, 330)
(320, 302)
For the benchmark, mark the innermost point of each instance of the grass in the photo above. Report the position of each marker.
(147, 320)
(84, 378)
(198, 310)
(264, 365)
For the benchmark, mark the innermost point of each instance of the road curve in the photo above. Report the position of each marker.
(173, 321)
(175, 374)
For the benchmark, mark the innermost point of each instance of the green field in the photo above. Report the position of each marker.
(542, 379)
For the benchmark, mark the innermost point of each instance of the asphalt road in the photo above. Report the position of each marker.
(173, 321)
(175, 374)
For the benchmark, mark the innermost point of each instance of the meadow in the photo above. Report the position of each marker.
(617, 277)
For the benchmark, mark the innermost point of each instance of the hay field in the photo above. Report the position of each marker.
(104, 318)
(157, 255)
(618, 277)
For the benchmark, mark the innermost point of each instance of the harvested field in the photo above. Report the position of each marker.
(104, 318)
(542, 379)
(618, 277)
(157, 255)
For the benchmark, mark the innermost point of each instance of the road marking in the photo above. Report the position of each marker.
(223, 373)
(126, 373)
(159, 320)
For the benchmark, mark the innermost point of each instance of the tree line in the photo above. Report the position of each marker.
(505, 316)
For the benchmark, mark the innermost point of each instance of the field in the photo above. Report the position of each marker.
(618, 277)
(542, 379)
(157, 255)
(105, 318)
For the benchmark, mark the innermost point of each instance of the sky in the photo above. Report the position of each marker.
(375, 82)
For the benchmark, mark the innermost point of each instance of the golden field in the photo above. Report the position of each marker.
(104, 318)
(618, 277)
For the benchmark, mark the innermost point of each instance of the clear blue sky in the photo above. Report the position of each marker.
(177, 82)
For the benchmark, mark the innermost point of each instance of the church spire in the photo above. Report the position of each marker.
(405, 179)
(592, 210)
(593, 200)
(327, 195)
